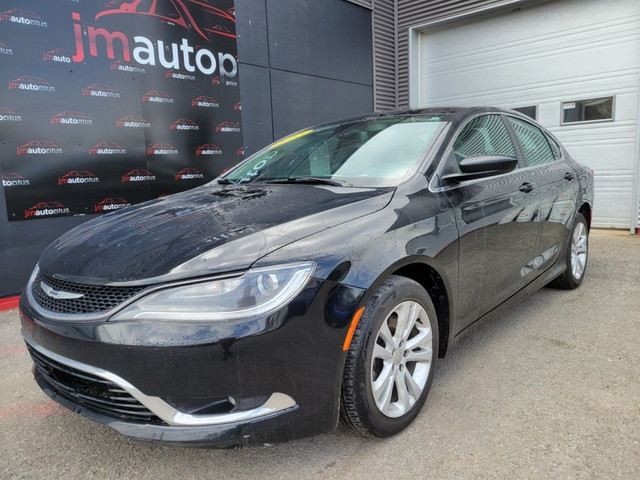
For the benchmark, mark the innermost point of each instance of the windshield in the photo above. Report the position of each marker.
(375, 152)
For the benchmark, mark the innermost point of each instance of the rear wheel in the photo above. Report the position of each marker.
(389, 366)
(576, 256)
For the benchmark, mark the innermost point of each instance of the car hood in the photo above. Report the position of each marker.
(208, 230)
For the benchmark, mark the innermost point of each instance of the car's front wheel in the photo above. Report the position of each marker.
(390, 362)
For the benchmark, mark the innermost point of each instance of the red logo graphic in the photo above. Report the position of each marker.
(237, 106)
(215, 80)
(37, 147)
(138, 175)
(110, 204)
(103, 91)
(75, 177)
(46, 209)
(240, 151)
(57, 55)
(208, 149)
(204, 101)
(132, 121)
(8, 115)
(31, 83)
(71, 118)
(24, 17)
(184, 124)
(228, 127)
(174, 12)
(220, 30)
(11, 179)
(107, 148)
(157, 96)
(188, 174)
(162, 149)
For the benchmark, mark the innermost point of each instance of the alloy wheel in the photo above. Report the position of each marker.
(578, 250)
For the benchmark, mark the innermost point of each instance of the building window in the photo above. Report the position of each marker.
(531, 111)
(591, 110)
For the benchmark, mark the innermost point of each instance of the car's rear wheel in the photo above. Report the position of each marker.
(390, 362)
(576, 256)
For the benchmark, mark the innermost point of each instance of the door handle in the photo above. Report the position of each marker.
(527, 187)
(569, 176)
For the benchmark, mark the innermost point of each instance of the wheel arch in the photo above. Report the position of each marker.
(436, 285)
(585, 210)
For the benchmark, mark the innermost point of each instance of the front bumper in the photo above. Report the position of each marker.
(282, 373)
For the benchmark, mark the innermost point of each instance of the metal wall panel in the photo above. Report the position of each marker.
(385, 57)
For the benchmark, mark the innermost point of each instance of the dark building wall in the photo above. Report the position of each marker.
(302, 62)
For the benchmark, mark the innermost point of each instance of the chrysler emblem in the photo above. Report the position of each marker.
(59, 295)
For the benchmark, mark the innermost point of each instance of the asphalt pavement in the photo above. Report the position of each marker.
(548, 389)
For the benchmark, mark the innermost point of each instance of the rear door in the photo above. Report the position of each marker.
(557, 185)
(496, 219)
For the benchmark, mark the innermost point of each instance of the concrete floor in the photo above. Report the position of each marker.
(549, 389)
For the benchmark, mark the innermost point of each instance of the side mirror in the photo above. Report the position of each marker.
(481, 166)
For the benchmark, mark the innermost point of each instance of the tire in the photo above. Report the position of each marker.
(388, 409)
(576, 256)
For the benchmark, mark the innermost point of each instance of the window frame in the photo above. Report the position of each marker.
(435, 185)
(546, 136)
(583, 122)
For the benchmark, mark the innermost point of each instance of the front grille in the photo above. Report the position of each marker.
(96, 298)
(90, 391)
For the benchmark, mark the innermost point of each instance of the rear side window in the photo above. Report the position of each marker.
(484, 135)
(537, 150)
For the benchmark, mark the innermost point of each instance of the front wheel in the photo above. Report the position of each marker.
(389, 365)
(576, 256)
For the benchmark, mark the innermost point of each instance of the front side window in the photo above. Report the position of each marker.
(484, 135)
(534, 143)
(381, 151)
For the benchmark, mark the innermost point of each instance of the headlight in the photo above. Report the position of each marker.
(258, 292)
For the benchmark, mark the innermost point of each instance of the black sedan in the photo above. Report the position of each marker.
(321, 278)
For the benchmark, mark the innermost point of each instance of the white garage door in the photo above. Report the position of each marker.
(552, 56)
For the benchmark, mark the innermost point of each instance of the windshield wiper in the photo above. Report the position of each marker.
(224, 181)
(305, 180)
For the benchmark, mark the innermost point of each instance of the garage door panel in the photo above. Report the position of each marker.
(545, 55)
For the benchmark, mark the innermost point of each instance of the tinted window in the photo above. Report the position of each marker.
(592, 110)
(534, 143)
(485, 135)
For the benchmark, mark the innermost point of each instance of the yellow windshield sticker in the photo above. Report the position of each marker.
(292, 137)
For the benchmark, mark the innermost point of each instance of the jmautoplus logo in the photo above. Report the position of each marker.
(71, 118)
(110, 204)
(78, 177)
(184, 124)
(205, 101)
(173, 56)
(237, 106)
(8, 115)
(188, 174)
(12, 179)
(156, 96)
(33, 84)
(57, 55)
(107, 148)
(208, 149)
(123, 66)
(132, 121)
(101, 91)
(228, 127)
(24, 17)
(240, 151)
(138, 175)
(179, 75)
(46, 209)
(37, 147)
(162, 149)
(5, 50)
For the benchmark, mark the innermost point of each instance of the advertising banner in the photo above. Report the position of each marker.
(104, 104)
